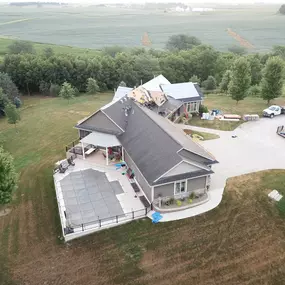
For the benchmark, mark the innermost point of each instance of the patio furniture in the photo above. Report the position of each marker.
(90, 150)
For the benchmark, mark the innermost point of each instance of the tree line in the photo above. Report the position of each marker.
(185, 58)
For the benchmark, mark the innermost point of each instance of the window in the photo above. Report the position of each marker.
(192, 107)
(180, 187)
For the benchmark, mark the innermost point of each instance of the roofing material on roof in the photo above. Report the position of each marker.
(155, 83)
(121, 92)
(170, 106)
(182, 91)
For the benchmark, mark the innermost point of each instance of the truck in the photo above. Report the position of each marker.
(273, 110)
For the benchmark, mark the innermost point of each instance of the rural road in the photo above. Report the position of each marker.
(257, 147)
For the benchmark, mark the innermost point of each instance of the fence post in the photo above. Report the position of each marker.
(133, 214)
(116, 219)
(100, 223)
(82, 227)
(145, 211)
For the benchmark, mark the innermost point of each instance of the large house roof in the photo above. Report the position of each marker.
(184, 92)
(155, 83)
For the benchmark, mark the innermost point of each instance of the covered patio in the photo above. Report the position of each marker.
(99, 147)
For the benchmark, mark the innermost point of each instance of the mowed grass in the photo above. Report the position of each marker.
(228, 106)
(240, 242)
(205, 136)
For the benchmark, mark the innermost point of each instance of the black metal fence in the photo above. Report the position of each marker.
(74, 148)
(107, 222)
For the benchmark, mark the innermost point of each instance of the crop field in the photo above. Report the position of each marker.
(95, 27)
(240, 242)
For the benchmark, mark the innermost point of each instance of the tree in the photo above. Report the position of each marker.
(282, 9)
(240, 79)
(48, 52)
(8, 177)
(92, 86)
(279, 50)
(195, 79)
(210, 83)
(44, 87)
(224, 85)
(12, 114)
(272, 81)
(182, 42)
(54, 90)
(256, 69)
(21, 47)
(254, 91)
(237, 50)
(3, 102)
(8, 86)
(123, 84)
(67, 91)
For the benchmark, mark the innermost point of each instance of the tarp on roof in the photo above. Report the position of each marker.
(101, 139)
(181, 91)
(155, 83)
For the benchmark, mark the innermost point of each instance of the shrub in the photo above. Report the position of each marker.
(203, 109)
(210, 83)
(178, 203)
(17, 102)
(190, 201)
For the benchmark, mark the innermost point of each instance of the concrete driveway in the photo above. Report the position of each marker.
(257, 147)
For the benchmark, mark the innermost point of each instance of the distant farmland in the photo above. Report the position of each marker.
(97, 27)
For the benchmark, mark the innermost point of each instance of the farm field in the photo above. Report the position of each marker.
(96, 27)
(240, 242)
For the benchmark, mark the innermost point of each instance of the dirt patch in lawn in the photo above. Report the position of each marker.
(4, 212)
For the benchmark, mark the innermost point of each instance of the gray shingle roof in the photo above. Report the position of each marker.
(178, 135)
(99, 122)
(168, 107)
(150, 147)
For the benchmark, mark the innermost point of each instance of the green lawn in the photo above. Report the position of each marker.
(224, 103)
(39, 47)
(206, 136)
(224, 246)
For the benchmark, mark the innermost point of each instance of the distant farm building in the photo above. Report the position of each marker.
(203, 9)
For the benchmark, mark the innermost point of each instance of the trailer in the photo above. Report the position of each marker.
(281, 131)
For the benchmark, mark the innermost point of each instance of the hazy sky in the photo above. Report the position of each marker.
(157, 1)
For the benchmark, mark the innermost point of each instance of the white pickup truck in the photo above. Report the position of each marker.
(273, 110)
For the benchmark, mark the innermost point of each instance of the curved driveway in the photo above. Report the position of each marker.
(257, 147)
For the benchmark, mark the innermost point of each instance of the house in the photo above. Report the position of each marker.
(162, 160)
(169, 100)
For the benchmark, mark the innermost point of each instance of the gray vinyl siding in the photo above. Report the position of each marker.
(197, 183)
(168, 189)
(164, 190)
(138, 176)
(83, 134)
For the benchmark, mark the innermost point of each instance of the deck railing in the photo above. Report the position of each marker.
(106, 222)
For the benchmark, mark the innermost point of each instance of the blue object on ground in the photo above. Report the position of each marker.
(156, 217)
(118, 166)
